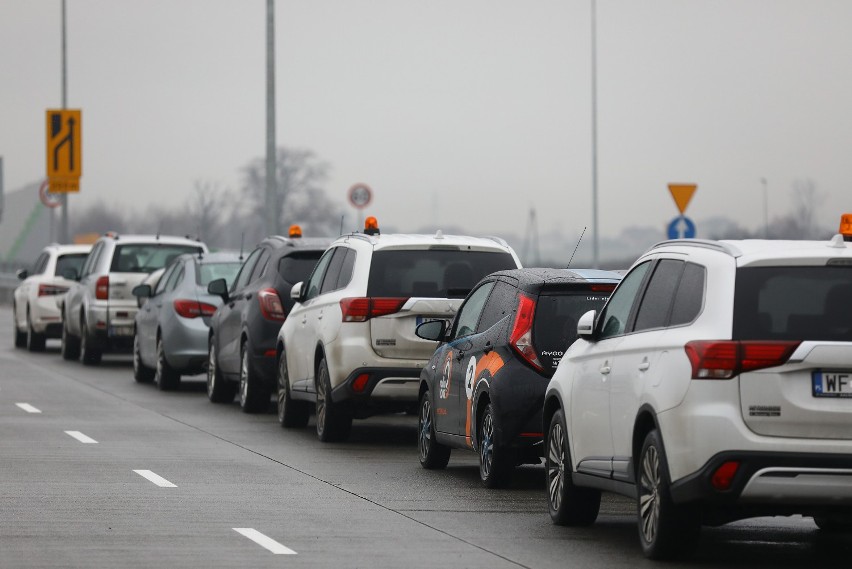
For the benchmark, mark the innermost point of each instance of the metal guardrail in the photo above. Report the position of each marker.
(8, 283)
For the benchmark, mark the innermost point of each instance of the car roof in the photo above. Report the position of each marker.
(141, 238)
(219, 257)
(303, 243)
(546, 276)
(751, 252)
(421, 241)
(62, 249)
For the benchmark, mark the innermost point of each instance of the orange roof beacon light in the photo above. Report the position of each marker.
(846, 226)
(295, 231)
(371, 226)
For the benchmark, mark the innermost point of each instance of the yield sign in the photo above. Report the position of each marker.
(682, 193)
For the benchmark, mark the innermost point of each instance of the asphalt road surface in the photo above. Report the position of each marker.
(97, 471)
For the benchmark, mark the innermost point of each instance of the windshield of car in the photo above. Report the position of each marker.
(432, 273)
(793, 303)
(298, 266)
(147, 257)
(70, 261)
(211, 271)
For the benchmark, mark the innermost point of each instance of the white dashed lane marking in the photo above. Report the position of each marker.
(28, 408)
(155, 478)
(264, 541)
(81, 437)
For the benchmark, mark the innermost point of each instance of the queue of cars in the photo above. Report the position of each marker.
(711, 383)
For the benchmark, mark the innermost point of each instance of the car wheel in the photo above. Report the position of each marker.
(219, 389)
(166, 377)
(433, 455)
(495, 462)
(20, 337)
(35, 341)
(839, 523)
(334, 420)
(569, 505)
(89, 351)
(254, 397)
(666, 530)
(70, 344)
(290, 413)
(141, 372)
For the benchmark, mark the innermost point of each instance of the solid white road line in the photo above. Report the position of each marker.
(28, 408)
(81, 437)
(155, 478)
(265, 542)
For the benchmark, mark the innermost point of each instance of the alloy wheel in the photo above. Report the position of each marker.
(486, 445)
(556, 466)
(649, 502)
(425, 428)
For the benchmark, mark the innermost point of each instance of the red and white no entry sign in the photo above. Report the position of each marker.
(360, 195)
(48, 199)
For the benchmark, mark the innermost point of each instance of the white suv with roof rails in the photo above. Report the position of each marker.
(348, 347)
(98, 313)
(715, 385)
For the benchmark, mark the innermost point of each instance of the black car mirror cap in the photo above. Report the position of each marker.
(141, 291)
(586, 325)
(219, 287)
(434, 330)
(22, 274)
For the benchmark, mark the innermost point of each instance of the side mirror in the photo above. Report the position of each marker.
(219, 287)
(22, 274)
(586, 325)
(296, 293)
(142, 291)
(435, 330)
(71, 274)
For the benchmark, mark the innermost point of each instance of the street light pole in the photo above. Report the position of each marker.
(765, 208)
(64, 235)
(595, 255)
(271, 178)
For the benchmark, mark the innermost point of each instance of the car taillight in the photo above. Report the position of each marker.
(193, 308)
(521, 337)
(271, 307)
(102, 288)
(364, 308)
(723, 478)
(51, 290)
(724, 359)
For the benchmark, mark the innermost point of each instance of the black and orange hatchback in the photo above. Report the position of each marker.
(483, 389)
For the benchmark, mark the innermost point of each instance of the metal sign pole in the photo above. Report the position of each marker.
(64, 236)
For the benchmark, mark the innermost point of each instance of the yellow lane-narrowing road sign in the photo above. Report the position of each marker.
(64, 150)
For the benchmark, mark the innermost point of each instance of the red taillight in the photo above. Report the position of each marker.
(360, 383)
(51, 290)
(724, 475)
(362, 309)
(193, 308)
(271, 307)
(521, 337)
(723, 359)
(102, 288)
(602, 287)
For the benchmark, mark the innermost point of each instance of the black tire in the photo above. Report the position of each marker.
(219, 389)
(291, 413)
(496, 463)
(834, 523)
(35, 340)
(433, 455)
(90, 352)
(141, 372)
(20, 337)
(254, 396)
(70, 344)
(334, 420)
(666, 530)
(569, 505)
(166, 378)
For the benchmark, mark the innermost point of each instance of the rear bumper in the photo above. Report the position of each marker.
(385, 389)
(113, 325)
(185, 343)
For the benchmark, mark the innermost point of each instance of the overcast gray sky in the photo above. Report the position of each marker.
(471, 111)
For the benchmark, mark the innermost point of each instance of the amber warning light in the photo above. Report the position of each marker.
(846, 226)
(295, 231)
(371, 226)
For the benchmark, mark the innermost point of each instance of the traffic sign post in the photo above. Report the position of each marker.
(681, 227)
(64, 151)
(47, 197)
(360, 195)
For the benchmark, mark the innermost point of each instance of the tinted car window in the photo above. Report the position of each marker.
(613, 320)
(657, 300)
(471, 309)
(146, 257)
(92, 258)
(346, 269)
(793, 303)
(499, 304)
(556, 316)
(260, 267)
(245, 271)
(206, 272)
(297, 267)
(318, 274)
(70, 261)
(40, 264)
(332, 275)
(164, 279)
(689, 297)
(432, 273)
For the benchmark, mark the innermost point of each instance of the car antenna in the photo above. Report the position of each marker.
(341, 224)
(242, 240)
(575, 248)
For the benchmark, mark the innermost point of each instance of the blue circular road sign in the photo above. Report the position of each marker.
(681, 227)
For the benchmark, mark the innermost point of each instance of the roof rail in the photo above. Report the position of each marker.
(703, 243)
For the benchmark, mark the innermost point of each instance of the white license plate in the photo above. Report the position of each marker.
(121, 330)
(831, 383)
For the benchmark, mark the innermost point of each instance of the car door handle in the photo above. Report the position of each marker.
(305, 320)
(460, 356)
(488, 347)
(320, 316)
(605, 369)
(644, 365)
(248, 296)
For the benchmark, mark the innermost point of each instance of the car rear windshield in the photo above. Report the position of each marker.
(555, 325)
(432, 273)
(793, 303)
(146, 257)
(70, 261)
(211, 271)
(297, 267)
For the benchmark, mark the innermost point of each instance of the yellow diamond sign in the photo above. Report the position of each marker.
(682, 194)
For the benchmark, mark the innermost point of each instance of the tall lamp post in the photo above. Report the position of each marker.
(765, 208)
(64, 234)
(595, 251)
(271, 178)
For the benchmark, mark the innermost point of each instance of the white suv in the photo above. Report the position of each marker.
(98, 312)
(348, 346)
(715, 385)
(36, 314)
